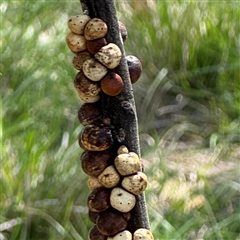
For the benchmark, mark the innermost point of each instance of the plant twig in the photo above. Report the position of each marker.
(121, 109)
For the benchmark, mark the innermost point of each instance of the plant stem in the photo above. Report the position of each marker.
(120, 109)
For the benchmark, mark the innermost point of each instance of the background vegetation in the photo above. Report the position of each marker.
(188, 106)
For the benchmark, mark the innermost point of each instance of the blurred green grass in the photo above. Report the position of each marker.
(188, 107)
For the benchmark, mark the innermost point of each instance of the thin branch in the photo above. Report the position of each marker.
(121, 109)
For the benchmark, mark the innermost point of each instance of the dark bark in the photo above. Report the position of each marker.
(120, 109)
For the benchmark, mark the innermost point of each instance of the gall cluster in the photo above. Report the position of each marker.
(115, 177)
